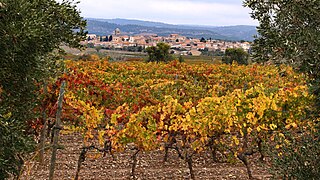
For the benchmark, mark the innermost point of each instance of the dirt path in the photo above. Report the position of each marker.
(150, 165)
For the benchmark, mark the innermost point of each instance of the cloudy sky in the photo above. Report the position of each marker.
(196, 12)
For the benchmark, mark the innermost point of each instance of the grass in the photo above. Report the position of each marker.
(202, 59)
(136, 56)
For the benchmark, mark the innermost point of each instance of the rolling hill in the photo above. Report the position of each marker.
(133, 27)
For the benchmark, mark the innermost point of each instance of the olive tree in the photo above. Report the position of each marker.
(235, 54)
(159, 53)
(289, 32)
(31, 31)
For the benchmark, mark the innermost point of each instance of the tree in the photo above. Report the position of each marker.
(289, 33)
(203, 40)
(90, 45)
(106, 39)
(181, 59)
(159, 53)
(235, 54)
(31, 31)
(140, 49)
(98, 48)
(110, 38)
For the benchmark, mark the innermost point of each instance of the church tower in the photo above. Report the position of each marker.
(117, 31)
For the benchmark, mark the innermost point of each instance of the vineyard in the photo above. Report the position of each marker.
(230, 112)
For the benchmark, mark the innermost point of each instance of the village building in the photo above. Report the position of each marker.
(117, 32)
(179, 44)
(195, 53)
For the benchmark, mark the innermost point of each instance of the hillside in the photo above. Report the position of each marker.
(132, 27)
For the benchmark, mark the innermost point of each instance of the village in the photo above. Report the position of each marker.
(179, 44)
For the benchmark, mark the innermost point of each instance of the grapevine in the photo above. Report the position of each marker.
(231, 109)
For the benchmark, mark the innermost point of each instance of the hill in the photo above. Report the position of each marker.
(132, 27)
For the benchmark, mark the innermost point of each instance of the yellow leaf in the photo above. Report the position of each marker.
(244, 124)
(288, 126)
(286, 141)
(281, 135)
(236, 140)
(258, 129)
(8, 115)
(242, 134)
(294, 125)
(273, 126)
(100, 137)
(250, 115)
(227, 130)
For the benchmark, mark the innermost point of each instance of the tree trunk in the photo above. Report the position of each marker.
(243, 157)
(81, 159)
(260, 150)
(213, 149)
(166, 149)
(134, 164)
(245, 161)
(189, 160)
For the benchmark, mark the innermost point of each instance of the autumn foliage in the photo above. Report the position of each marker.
(231, 110)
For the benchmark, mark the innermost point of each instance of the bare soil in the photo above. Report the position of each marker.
(150, 165)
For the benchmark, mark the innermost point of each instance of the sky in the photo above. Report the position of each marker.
(192, 12)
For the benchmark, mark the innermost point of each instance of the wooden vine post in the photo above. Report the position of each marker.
(56, 129)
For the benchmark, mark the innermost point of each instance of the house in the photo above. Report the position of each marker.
(116, 39)
(91, 36)
(174, 35)
(125, 38)
(245, 45)
(176, 41)
(201, 45)
(195, 53)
